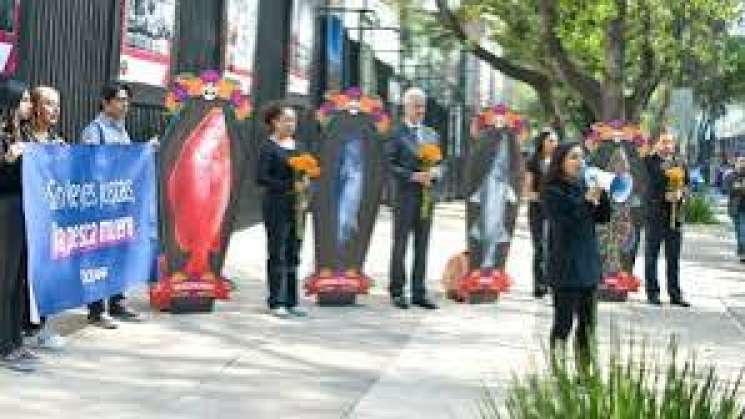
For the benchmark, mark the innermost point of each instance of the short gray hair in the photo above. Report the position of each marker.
(414, 92)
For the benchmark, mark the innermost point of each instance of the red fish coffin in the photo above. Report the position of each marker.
(198, 188)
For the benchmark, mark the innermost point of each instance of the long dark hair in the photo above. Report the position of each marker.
(540, 144)
(556, 167)
(11, 93)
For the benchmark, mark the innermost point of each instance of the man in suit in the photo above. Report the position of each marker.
(410, 181)
(664, 226)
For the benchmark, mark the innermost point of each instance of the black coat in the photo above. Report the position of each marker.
(402, 153)
(573, 253)
(658, 209)
(736, 186)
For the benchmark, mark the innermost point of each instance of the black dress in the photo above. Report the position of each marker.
(278, 209)
(12, 257)
(538, 226)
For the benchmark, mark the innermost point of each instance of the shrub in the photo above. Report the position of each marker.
(698, 210)
(630, 387)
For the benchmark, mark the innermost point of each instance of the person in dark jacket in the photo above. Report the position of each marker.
(574, 267)
(278, 208)
(537, 167)
(736, 204)
(410, 182)
(664, 225)
(16, 101)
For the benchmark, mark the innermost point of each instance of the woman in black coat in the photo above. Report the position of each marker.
(536, 170)
(574, 268)
(278, 209)
(16, 100)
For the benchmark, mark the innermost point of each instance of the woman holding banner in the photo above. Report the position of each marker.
(16, 101)
(45, 111)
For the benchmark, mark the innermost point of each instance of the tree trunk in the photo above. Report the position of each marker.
(613, 88)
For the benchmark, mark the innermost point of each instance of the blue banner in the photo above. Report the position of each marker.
(91, 220)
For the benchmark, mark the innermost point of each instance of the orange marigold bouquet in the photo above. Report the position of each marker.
(675, 177)
(430, 155)
(304, 167)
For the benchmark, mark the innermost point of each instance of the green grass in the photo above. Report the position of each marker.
(633, 386)
(699, 210)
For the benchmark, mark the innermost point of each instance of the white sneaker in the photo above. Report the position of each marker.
(280, 312)
(297, 312)
(49, 340)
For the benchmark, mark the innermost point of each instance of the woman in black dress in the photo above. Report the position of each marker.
(537, 167)
(278, 208)
(574, 268)
(16, 102)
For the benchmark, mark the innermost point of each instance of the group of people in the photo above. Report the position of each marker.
(563, 213)
(275, 175)
(31, 115)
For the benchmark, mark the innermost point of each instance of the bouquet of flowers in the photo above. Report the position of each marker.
(304, 167)
(675, 177)
(430, 155)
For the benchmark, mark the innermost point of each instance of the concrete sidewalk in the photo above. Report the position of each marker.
(368, 361)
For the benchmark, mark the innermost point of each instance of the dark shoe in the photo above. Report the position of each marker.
(400, 302)
(654, 300)
(27, 354)
(15, 361)
(122, 314)
(102, 322)
(429, 305)
(539, 293)
(679, 302)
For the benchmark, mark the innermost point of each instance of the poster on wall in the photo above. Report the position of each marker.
(301, 48)
(334, 53)
(9, 31)
(240, 50)
(147, 35)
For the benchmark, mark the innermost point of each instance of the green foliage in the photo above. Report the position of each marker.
(630, 387)
(688, 41)
(698, 209)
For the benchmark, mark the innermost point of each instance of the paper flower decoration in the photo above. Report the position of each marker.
(336, 101)
(209, 85)
(488, 118)
(625, 131)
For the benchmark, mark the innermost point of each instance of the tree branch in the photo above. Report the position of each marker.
(588, 88)
(534, 78)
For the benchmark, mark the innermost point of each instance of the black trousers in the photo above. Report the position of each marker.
(571, 305)
(539, 234)
(12, 274)
(657, 233)
(407, 219)
(97, 308)
(283, 247)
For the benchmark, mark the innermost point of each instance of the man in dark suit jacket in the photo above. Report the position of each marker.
(661, 228)
(410, 180)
